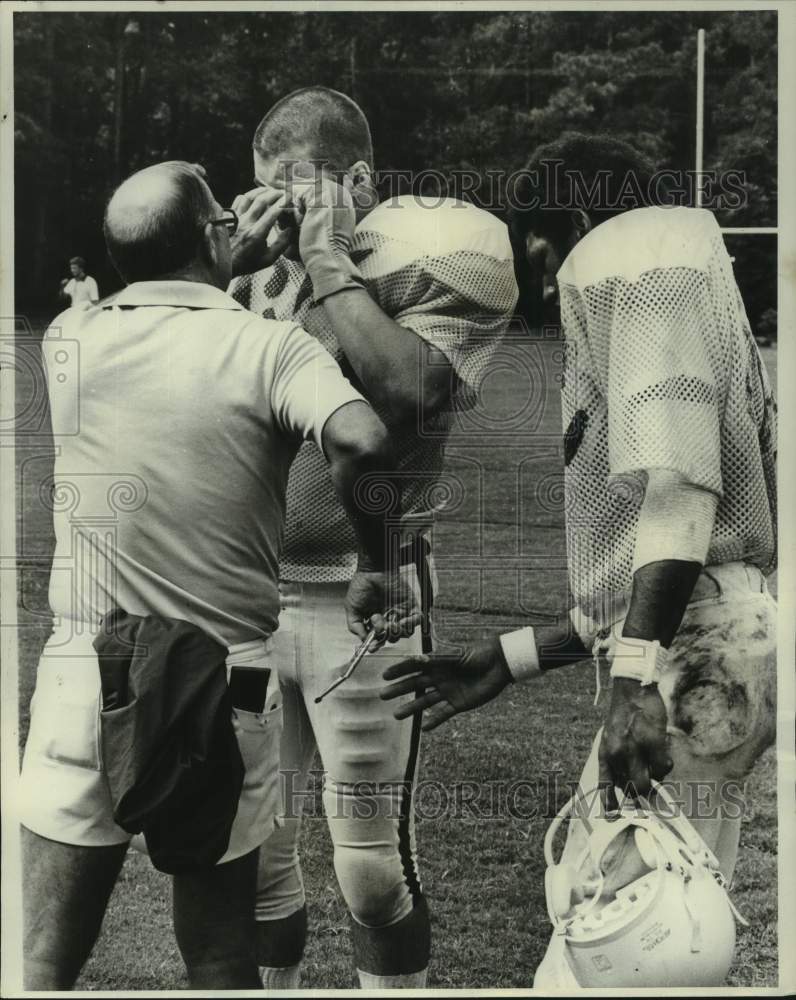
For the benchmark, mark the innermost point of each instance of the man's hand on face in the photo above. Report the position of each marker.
(257, 211)
(324, 211)
(383, 601)
(446, 684)
(635, 745)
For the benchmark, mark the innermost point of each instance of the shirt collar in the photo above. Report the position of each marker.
(184, 294)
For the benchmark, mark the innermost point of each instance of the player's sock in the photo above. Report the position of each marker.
(407, 981)
(395, 956)
(280, 979)
(280, 945)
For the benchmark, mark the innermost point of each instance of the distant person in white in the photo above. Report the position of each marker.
(81, 289)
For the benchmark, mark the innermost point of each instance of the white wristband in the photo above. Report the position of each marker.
(521, 654)
(638, 659)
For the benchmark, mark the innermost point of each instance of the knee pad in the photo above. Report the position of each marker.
(280, 887)
(372, 831)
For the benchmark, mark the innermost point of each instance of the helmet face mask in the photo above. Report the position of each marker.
(674, 925)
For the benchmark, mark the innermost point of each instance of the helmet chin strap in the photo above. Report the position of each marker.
(670, 843)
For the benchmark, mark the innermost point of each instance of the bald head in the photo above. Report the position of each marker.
(315, 123)
(154, 220)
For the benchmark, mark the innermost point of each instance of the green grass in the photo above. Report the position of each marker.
(501, 562)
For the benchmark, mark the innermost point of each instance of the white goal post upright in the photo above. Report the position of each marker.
(700, 113)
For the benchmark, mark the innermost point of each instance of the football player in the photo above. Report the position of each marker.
(669, 452)
(411, 299)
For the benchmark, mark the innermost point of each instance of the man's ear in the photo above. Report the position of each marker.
(363, 187)
(208, 249)
(360, 173)
(581, 223)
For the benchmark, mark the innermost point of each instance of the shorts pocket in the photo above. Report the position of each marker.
(259, 736)
(65, 720)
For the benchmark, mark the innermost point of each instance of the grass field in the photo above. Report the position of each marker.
(501, 563)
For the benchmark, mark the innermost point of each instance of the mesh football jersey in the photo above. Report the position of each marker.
(661, 371)
(445, 272)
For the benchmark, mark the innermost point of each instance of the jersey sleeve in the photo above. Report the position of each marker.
(307, 386)
(654, 343)
(93, 291)
(462, 308)
(444, 272)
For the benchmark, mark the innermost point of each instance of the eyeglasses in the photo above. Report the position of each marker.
(228, 219)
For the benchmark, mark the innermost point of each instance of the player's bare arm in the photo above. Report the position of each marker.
(410, 378)
(674, 528)
(634, 749)
(361, 461)
(448, 683)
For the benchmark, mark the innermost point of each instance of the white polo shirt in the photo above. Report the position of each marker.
(83, 292)
(176, 414)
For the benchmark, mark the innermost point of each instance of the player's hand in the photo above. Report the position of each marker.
(635, 747)
(324, 211)
(257, 211)
(326, 217)
(446, 684)
(383, 601)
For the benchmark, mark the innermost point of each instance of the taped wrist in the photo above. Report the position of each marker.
(639, 660)
(325, 245)
(331, 273)
(521, 654)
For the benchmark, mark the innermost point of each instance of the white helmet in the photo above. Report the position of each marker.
(673, 926)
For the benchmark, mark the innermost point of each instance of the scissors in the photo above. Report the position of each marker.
(363, 648)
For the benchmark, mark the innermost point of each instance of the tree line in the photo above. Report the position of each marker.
(98, 95)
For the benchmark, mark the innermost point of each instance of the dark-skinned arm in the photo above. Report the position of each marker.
(458, 680)
(676, 520)
(634, 748)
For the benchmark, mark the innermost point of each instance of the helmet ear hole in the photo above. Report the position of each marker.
(646, 848)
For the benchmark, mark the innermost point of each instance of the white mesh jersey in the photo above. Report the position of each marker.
(445, 272)
(662, 371)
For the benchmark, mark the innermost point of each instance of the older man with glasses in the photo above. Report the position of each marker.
(195, 407)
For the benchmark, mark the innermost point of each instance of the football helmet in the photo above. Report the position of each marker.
(672, 926)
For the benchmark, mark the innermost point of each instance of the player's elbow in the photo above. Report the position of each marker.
(373, 448)
(415, 401)
(355, 436)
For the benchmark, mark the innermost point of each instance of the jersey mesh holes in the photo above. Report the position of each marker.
(717, 375)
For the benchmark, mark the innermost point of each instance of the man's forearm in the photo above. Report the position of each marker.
(660, 595)
(368, 491)
(392, 363)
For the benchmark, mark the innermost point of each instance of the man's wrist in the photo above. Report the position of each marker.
(520, 653)
(332, 272)
(638, 660)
